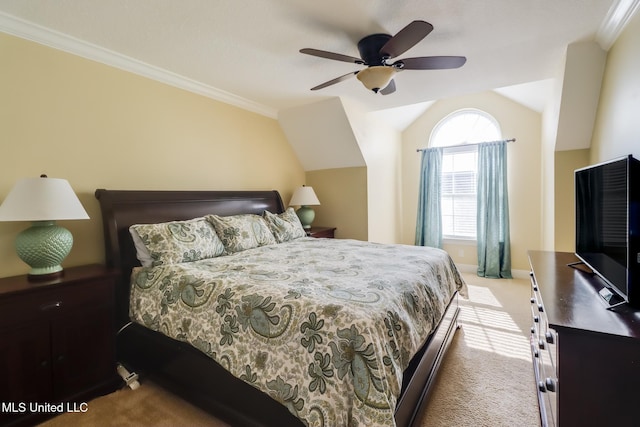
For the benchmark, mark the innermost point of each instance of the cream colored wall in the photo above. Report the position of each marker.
(343, 200)
(550, 124)
(383, 187)
(100, 127)
(321, 134)
(617, 129)
(380, 146)
(339, 135)
(566, 162)
(524, 182)
(547, 202)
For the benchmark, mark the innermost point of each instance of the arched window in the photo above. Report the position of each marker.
(459, 133)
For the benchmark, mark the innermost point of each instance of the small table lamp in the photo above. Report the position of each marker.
(304, 197)
(42, 200)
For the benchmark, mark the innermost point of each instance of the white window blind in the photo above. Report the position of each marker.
(458, 192)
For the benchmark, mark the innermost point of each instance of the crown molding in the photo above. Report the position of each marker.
(27, 30)
(620, 12)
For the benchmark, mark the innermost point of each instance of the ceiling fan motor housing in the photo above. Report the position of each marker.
(369, 48)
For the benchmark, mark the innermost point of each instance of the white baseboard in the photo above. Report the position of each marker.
(469, 268)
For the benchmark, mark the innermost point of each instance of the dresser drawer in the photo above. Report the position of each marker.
(53, 301)
(543, 341)
(546, 398)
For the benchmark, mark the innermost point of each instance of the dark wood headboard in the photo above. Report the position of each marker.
(123, 208)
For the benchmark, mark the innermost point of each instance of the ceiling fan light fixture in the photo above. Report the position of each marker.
(377, 77)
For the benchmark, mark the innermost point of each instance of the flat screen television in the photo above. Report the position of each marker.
(607, 201)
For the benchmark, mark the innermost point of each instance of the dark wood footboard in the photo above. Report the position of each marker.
(421, 373)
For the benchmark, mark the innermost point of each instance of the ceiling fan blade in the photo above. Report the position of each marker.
(390, 88)
(430, 63)
(336, 80)
(331, 55)
(406, 38)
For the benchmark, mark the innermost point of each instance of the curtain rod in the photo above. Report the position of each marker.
(473, 143)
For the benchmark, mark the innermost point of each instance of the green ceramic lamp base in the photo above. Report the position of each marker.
(43, 246)
(306, 215)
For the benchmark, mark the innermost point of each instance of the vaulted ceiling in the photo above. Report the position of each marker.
(246, 52)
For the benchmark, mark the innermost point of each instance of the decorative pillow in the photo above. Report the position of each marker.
(242, 232)
(176, 241)
(285, 226)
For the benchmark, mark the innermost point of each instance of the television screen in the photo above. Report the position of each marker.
(602, 221)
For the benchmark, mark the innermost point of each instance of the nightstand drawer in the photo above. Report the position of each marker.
(321, 232)
(54, 301)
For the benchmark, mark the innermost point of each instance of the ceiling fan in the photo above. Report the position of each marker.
(376, 51)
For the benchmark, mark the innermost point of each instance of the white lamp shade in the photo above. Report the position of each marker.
(41, 199)
(376, 78)
(304, 196)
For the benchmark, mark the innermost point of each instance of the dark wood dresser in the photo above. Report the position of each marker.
(57, 343)
(586, 358)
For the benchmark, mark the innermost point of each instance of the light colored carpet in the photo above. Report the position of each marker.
(486, 378)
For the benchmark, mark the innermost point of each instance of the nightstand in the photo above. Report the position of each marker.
(326, 232)
(57, 341)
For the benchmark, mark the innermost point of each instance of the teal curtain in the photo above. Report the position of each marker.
(429, 221)
(494, 246)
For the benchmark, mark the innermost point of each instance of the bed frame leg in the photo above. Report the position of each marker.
(130, 378)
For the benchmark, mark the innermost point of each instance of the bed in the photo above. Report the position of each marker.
(200, 370)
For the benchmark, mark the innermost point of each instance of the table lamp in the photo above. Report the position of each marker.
(304, 197)
(45, 244)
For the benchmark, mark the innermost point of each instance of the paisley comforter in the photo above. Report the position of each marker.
(324, 326)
